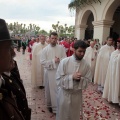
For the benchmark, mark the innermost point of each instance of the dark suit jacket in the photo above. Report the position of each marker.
(8, 107)
(14, 83)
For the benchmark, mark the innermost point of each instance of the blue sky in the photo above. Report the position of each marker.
(41, 12)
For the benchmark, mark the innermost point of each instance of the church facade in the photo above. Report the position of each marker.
(98, 21)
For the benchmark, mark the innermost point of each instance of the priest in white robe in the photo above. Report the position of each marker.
(91, 56)
(35, 44)
(97, 44)
(112, 83)
(37, 72)
(102, 63)
(73, 75)
(50, 58)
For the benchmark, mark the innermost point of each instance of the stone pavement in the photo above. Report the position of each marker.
(95, 108)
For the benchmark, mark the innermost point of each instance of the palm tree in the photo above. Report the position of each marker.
(54, 27)
(71, 30)
(11, 26)
(30, 26)
(80, 3)
(37, 29)
(43, 32)
(63, 30)
(50, 31)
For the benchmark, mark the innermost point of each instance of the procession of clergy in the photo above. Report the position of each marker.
(55, 62)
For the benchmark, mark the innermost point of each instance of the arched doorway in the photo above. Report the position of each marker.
(115, 29)
(112, 13)
(87, 16)
(90, 29)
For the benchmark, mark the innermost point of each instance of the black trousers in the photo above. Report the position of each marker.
(23, 51)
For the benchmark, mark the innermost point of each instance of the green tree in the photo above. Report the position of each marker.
(10, 26)
(63, 30)
(43, 32)
(37, 29)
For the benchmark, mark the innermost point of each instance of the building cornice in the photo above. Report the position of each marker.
(82, 26)
(103, 23)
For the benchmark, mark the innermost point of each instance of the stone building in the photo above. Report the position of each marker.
(98, 21)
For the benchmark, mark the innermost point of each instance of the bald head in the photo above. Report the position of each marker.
(42, 39)
(48, 40)
(92, 43)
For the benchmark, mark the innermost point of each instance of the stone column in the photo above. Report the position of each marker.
(102, 29)
(80, 31)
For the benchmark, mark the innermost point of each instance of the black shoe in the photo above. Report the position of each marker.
(50, 109)
(41, 87)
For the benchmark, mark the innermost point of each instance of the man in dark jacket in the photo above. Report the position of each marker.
(19, 45)
(9, 107)
(23, 45)
(14, 83)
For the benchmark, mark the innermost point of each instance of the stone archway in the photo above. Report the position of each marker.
(102, 26)
(110, 9)
(90, 28)
(115, 28)
(85, 14)
(86, 17)
(112, 13)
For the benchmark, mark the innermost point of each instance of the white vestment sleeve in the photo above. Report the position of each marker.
(63, 80)
(88, 75)
(48, 64)
(63, 53)
(85, 79)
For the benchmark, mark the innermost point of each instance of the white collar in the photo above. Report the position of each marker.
(7, 73)
(74, 59)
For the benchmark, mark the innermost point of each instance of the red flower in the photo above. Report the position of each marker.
(43, 111)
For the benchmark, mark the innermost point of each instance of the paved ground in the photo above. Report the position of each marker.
(95, 108)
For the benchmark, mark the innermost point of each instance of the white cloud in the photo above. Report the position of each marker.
(41, 12)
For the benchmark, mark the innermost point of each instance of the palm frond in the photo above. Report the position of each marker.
(81, 3)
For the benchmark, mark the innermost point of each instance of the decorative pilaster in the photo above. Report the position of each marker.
(80, 31)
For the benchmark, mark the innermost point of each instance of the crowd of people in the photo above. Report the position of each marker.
(58, 62)
(64, 67)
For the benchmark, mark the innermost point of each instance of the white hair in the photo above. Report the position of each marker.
(91, 42)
